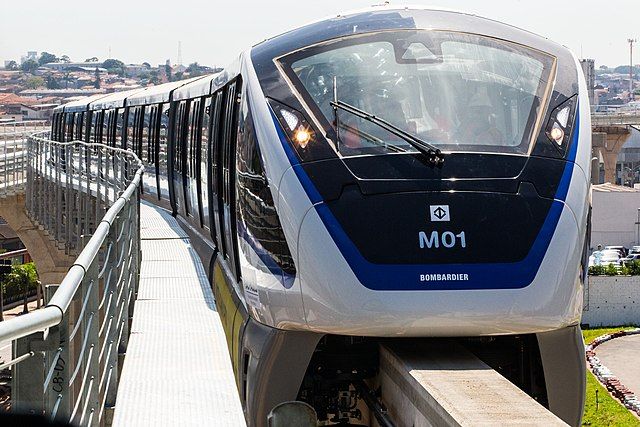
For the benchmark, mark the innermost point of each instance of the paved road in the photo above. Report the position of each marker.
(621, 356)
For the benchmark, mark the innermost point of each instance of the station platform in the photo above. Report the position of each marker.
(177, 369)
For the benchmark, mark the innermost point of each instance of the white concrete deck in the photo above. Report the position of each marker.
(177, 370)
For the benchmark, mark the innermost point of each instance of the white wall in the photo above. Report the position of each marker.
(612, 301)
(613, 218)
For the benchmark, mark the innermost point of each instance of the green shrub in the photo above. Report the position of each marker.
(611, 270)
(596, 270)
(634, 267)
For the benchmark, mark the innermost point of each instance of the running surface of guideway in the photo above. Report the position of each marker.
(131, 335)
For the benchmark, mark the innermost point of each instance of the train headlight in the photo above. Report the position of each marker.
(294, 125)
(302, 137)
(557, 134)
(561, 123)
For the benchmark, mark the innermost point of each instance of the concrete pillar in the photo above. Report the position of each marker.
(616, 137)
(52, 263)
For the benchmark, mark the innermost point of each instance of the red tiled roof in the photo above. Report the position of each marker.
(13, 99)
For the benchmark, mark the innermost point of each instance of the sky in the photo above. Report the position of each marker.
(213, 32)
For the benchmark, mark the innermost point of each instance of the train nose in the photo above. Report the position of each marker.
(440, 232)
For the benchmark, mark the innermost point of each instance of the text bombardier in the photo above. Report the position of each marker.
(443, 277)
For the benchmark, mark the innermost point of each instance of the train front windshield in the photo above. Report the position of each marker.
(457, 91)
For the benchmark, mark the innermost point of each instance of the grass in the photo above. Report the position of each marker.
(609, 411)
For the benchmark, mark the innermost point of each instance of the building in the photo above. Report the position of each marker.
(589, 70)
(32, 55)
(38, 111)
(11, 104)
(74, 66)
(615, 215)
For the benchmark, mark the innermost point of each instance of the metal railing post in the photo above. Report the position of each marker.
(27, 377)
(56, 384)
(111, 313)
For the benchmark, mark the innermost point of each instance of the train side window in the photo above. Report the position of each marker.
(95, 120)
(204, 162)
(178, 137)
(61, 134)
(229, 175)
(69, 122)
(106, 128)
(119, 127)
(145, 135)
(215, 170)
(130, 126)
(148, 148)
(54, 126)
(79, 118)
(162, 156)
(139, 131)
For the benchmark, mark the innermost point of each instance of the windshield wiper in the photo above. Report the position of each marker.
(432, 153)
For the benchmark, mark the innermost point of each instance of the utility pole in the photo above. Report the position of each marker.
(631, 42)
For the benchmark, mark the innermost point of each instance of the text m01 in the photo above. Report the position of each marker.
(446, 239)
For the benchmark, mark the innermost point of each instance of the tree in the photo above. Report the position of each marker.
(67, 79)
(25, 278)
(154, 77)
(114, 66)
(51, 82)
(194, 69)
(178, 76)
(167, 69)
(29, 66)
(34, 82)
(146, 64)
(92, 59)
(11, 66)
(46, 58)
(65, 59)
(5, 269)
(96, 83)
(624, 69)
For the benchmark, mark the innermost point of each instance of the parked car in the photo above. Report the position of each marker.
(634, 250)
(623, 251)
(629, 258)
(610, 256)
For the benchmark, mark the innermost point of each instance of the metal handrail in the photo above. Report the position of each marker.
(74, 191)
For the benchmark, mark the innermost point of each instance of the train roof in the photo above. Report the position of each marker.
(387, 17)
(196, 88)
(113, 100)
(80, 104)
(158, 94)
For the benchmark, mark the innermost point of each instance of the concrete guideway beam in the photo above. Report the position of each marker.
(446, 385)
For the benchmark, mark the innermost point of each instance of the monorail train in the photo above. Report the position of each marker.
(393, 173)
